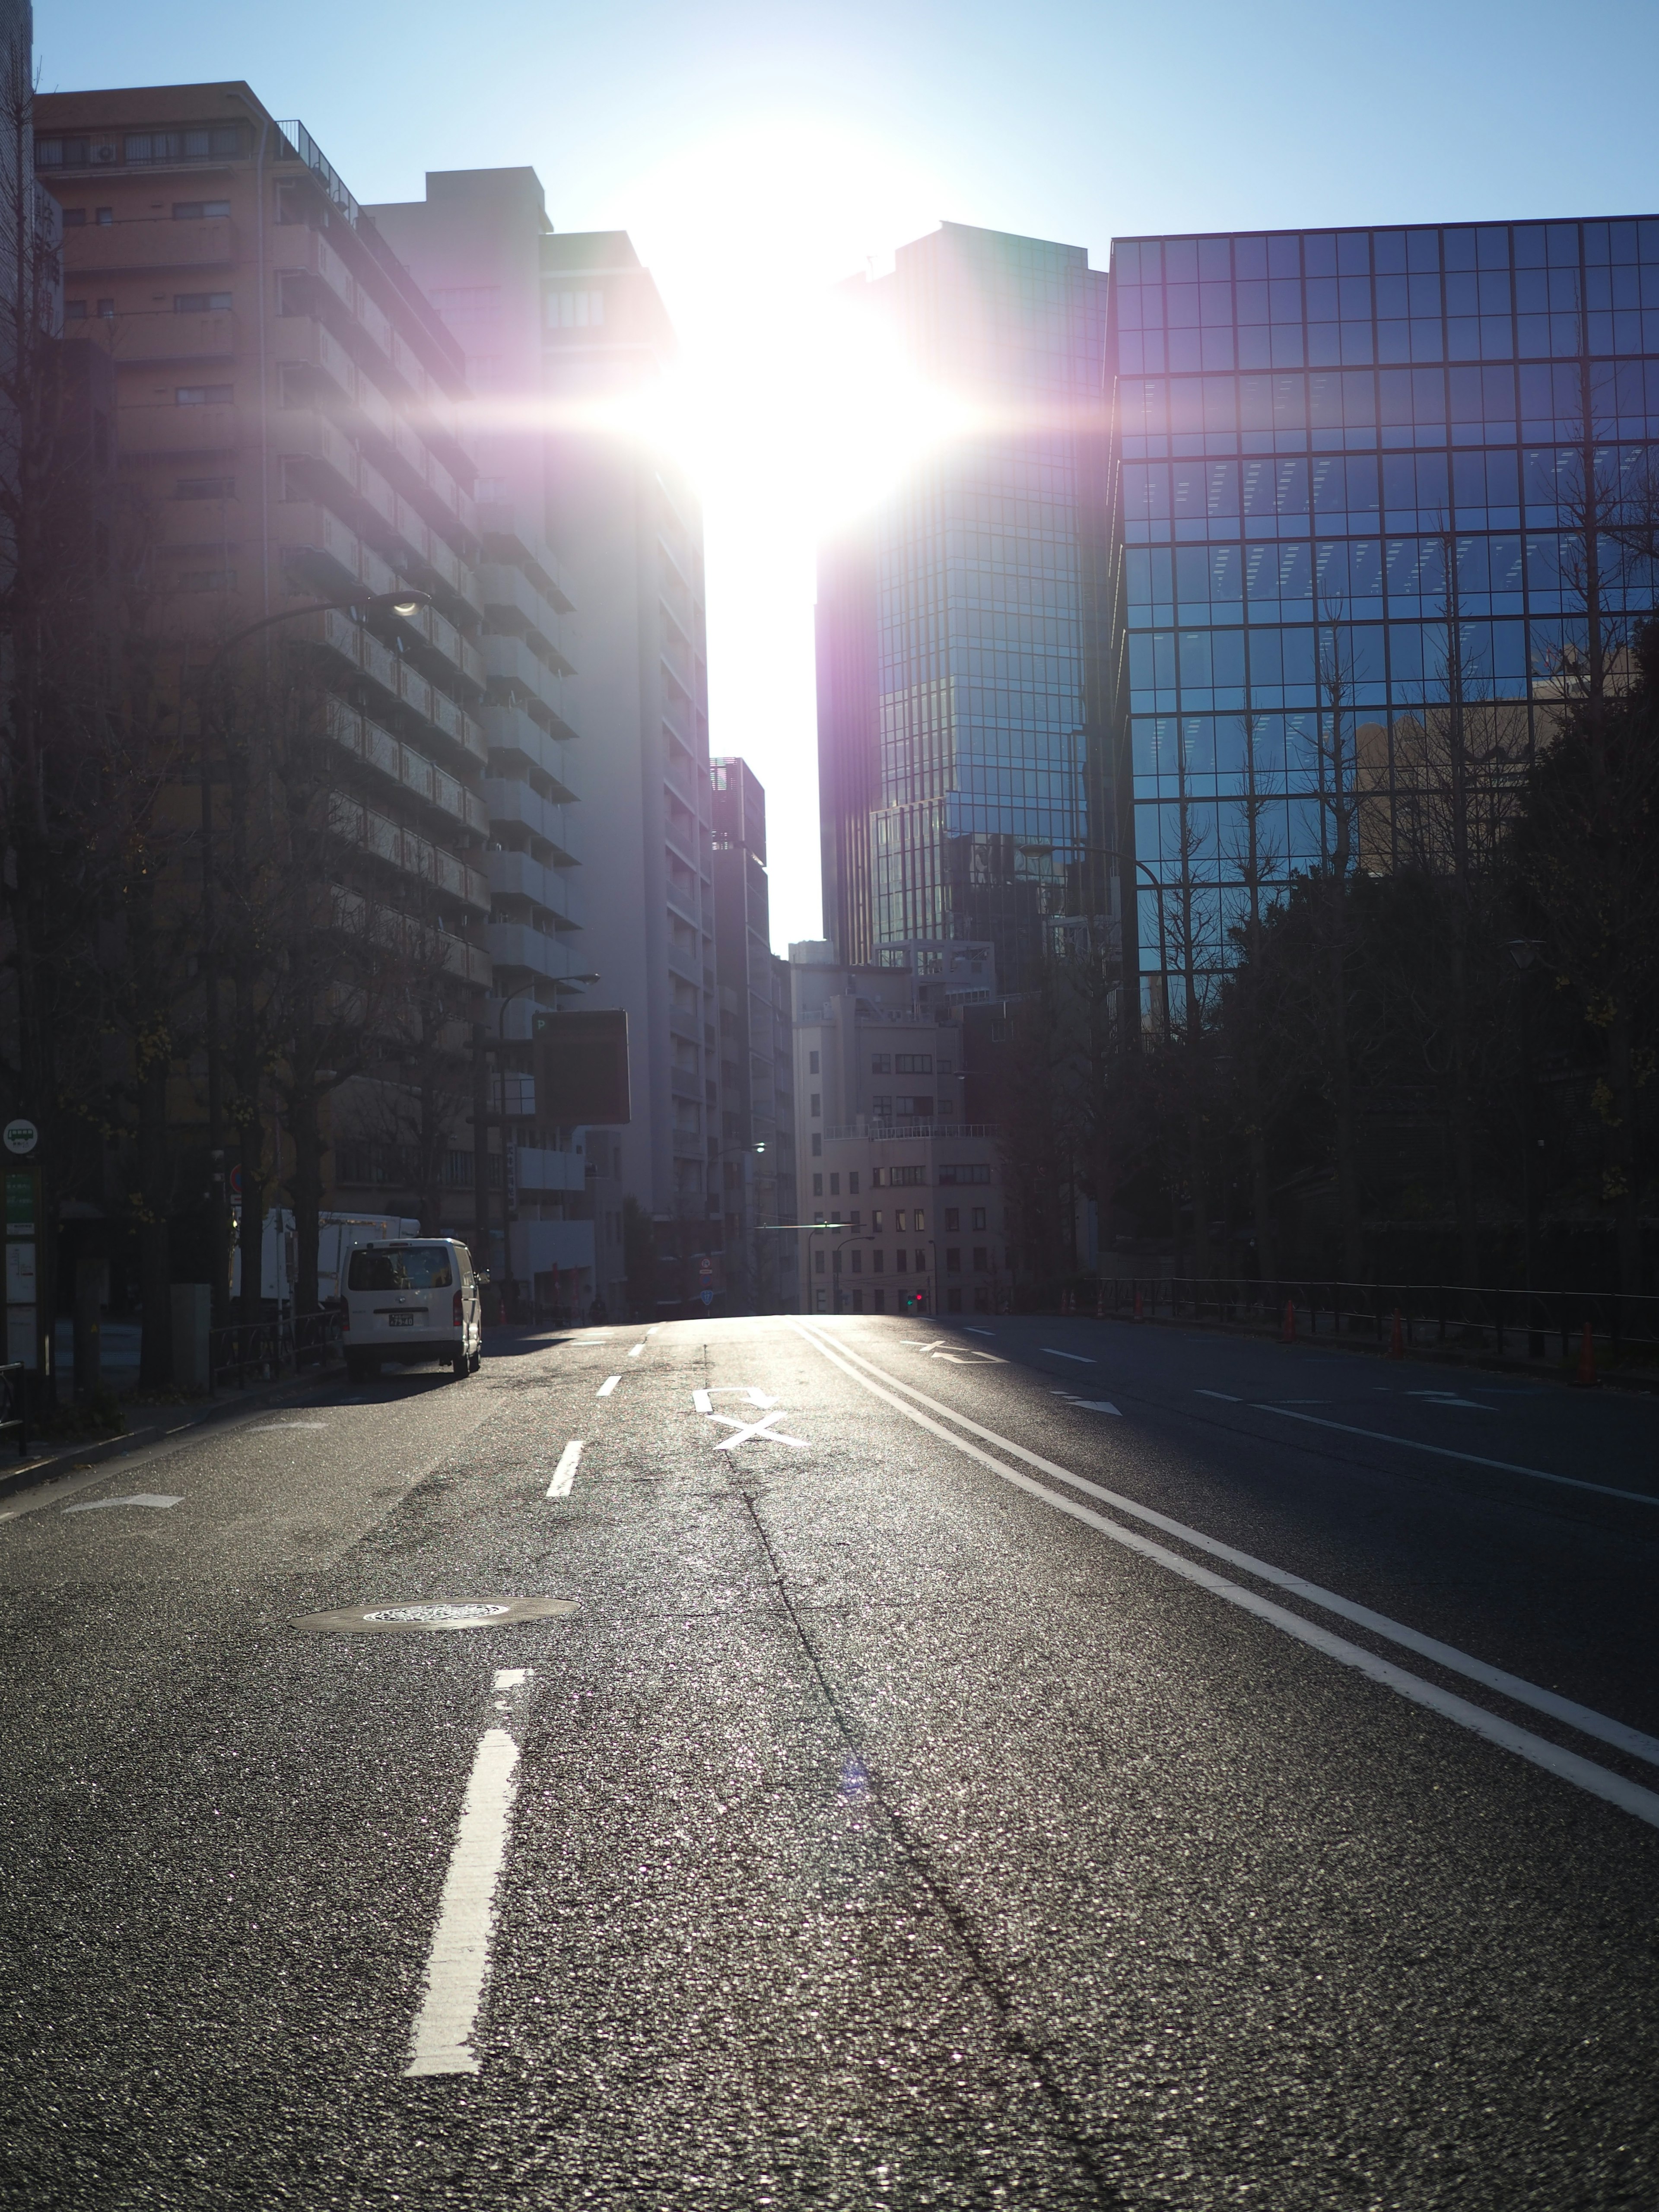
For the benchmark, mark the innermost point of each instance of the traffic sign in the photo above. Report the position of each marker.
(236, 1180)
(708, 1297)
(22, 1137)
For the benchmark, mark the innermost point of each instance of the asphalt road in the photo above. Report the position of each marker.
(1055, 1764)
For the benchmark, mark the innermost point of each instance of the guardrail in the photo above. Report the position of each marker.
(1507, 1323)
(15, 1405)
(263, 1351)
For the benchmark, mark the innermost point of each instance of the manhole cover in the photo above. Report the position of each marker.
(437, 1614)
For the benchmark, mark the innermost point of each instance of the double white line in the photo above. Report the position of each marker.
(1568, 1765)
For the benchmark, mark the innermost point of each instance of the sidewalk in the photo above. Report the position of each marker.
(165, 1421)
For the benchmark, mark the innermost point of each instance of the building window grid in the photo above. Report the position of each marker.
(1459, 416)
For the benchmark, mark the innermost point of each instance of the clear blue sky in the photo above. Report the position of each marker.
(758, 152)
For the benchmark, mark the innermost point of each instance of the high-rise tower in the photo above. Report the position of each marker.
(961, 718)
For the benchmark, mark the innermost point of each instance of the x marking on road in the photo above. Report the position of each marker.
(761, 1428)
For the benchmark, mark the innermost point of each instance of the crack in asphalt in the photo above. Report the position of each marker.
(1021, 2046)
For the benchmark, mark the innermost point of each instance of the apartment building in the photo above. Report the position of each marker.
(289, 407)
(630, 533)
(562, 333)
(474, 245)
(902, 1201)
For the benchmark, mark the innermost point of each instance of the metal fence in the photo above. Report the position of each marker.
(1506, 1324)
(264, 1351)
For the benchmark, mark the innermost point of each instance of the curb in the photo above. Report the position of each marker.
(32, 1472)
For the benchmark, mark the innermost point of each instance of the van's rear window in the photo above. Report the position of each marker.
(404, 1268)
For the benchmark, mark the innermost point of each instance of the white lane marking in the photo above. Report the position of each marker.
(982, 1332)
(608, 1386)
(1447, 1398)
(761, 1428)
(911, 1343)
(459, 1957)
(565, 1473)
(1584, 1718)
(138, 1497)
(271, 1427)
(1225, 1396)
(703, 1400)
(1473, 1459)
(1082, 1358)
(1093, 1405)
(637, 1349)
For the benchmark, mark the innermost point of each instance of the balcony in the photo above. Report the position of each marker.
(515, 739)
(516, 949)
(115, 249)
(515, 875)
(514, 602)
(509, 661)
(222, 427)
(156, 339)
(510, 801)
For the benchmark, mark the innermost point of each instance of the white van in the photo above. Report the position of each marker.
(336, 1233)
(414, 1299)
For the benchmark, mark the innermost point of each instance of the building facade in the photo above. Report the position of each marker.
(474, 245)
(900, 1201)
(289, 418)
(1348, 469)
(628, 532)
(963, 724)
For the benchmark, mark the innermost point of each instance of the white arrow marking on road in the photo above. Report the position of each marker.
(565, 1473)
(761, 1428)
(910, 1342)
(459, 1957)
(966, 1357)
(608, 1385)
(138, 1497)
(703, 1399)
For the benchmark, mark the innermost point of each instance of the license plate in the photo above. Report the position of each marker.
(400, 1321)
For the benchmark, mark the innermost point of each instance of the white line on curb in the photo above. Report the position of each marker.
(565, 1473)
(459, 1960)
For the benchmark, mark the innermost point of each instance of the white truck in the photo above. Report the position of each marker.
(338, 1235)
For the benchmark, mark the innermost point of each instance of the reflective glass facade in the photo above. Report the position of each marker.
(962, 797)
(1308, 428)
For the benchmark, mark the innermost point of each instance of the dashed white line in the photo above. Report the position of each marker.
(636, 1350)
(608, 1385)
(1082, 1358)
(137, 1498)
(565, 1473)
(459, 1960)
(1225, 1396)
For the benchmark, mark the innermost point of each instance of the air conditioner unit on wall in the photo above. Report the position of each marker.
(105, 154)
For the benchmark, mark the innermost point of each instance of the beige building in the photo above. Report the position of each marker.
(901, 1201)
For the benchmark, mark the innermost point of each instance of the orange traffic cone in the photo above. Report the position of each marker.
(1586, 1374)
(1397, 1341)
(1288, 1330)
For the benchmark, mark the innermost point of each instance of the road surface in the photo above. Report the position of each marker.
(1047, 1763)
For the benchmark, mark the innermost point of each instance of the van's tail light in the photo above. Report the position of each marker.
(457, 1310)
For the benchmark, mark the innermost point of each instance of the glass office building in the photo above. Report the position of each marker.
(1320, 435)
(964, 730)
